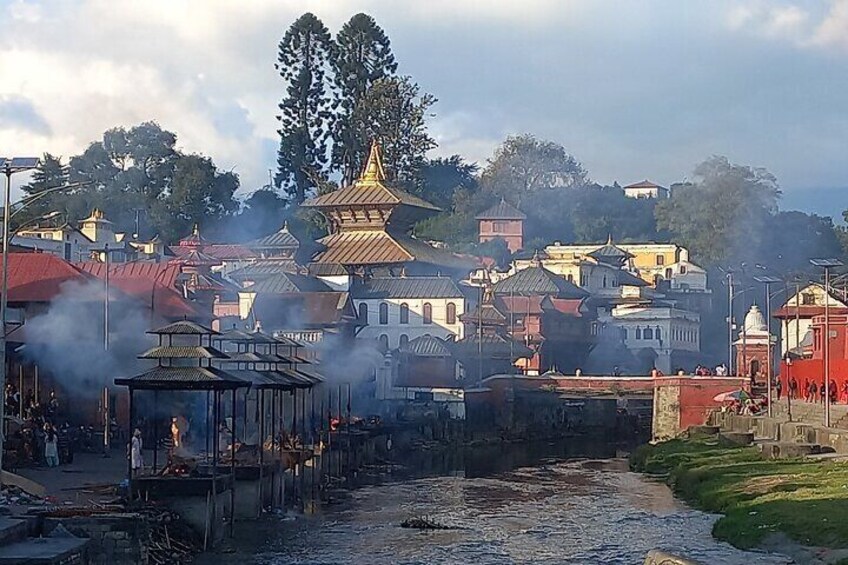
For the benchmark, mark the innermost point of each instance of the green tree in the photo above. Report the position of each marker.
(199, 194)
(724, 213)
(439, 179)
(524, 164)
(49, 174)
(361, 57)
(394, 111)
(303, 61)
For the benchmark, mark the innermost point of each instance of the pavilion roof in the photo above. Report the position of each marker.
(183, 378)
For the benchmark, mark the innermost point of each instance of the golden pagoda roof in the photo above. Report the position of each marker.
(370, 189)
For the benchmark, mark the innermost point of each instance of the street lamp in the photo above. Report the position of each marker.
(9, 167)
(768, 280)
(826, 264)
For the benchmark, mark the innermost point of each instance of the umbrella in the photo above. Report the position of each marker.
(733, 395)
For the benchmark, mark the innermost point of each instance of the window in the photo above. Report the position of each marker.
(668, 273)
(584, 280)
(682, 269)
(648, 333)
(638, 333)
(658, 333)
(363, 312)
(660, 259)
(384, 314)
(428, 313)
(808, 299)
(404, 339)
(499, 226)
(571, 279)
(384, 341)
(450, 315)
(404, 313)
(604, 283)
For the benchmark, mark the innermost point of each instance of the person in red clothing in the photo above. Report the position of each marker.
(843, 395)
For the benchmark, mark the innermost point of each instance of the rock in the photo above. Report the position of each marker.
(787, 450)
(735, 438)
(701, 432)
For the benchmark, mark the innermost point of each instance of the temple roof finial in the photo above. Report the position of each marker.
(195, 230)
(609, 239)
(373, 171)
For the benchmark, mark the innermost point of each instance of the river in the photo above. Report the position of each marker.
(530, 503)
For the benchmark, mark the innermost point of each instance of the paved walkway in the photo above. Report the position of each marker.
(87, 470)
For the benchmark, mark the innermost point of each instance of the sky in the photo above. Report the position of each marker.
(637, 89)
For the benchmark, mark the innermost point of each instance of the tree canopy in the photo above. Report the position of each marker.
(725, 212)
(303, 61)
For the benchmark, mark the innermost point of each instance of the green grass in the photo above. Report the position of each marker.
(807, 500)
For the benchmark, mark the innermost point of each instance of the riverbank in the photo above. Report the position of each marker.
(761, 500)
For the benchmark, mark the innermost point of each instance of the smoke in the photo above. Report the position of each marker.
(67, 340)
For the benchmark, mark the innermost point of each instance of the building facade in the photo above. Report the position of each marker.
(502, 221)
(646, 189)
(397, 310)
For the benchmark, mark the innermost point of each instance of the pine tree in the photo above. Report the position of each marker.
(362, 57)
(302, 62)
(49, 174)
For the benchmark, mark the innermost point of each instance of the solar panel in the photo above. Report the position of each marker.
(826, 262)
(16, 164)
(767, 279)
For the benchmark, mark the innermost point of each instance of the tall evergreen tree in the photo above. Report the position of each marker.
(49, 174)
(302, 62)
(362, 57)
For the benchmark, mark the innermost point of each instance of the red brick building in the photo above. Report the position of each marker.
(502, 221)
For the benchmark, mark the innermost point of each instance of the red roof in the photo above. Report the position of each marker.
(522, 304)
(38, 277)
(568, 306)
(151, 283)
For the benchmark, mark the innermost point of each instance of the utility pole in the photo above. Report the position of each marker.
(826, 264)
(10, 166)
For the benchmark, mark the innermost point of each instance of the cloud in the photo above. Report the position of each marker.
(18, 113)
(633, 90)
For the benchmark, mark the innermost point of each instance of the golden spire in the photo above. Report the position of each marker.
(373, 171)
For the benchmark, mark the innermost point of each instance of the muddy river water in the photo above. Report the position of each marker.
(548, 503)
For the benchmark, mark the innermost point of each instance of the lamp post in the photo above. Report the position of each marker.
(768, 280)
(788, 388)
(826, 264)
(10, 167)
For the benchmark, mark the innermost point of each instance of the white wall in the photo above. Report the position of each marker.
(415, 328)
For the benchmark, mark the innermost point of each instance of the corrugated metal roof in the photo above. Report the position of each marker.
(196, 258)
(645, 184)
(283, 283)
(281, 238)
(406, 287)
(538, 280)
(263, 379)
(182, 352)
(263, 268)
(426, 346)
(183, 378)
(252, 357)
(326, 269)
(375, 247)
(38, 277)
(489, 313)
(502, 211)
(368, 194)
(183, 327)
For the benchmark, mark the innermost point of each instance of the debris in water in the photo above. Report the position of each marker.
(419, 523)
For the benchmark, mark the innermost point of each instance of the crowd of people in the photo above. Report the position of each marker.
(813, 391)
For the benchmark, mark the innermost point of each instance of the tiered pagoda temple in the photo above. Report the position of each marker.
(369, 224)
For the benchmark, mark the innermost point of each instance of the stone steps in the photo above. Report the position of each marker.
(45, 551)
(17, 547)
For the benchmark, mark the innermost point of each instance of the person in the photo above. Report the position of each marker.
(616, 372)
(833, 391)
(821, 392)
(721, 370)
(778, 386)
(66, 454)
(793, 388)
(578, 372)
(136, 459)
(813, 391)
(51, 449)
(843, 395)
